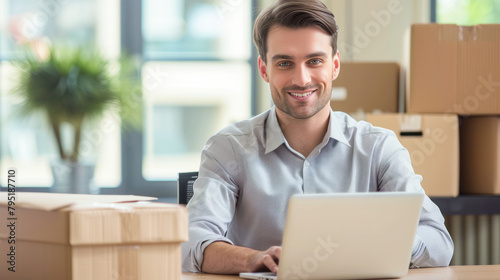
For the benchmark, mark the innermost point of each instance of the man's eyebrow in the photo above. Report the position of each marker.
(316, 54)
(281, 56)
(285, 56)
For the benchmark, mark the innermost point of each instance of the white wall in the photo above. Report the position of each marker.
(375, 30)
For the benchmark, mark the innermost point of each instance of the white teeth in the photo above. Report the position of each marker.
(301, 94)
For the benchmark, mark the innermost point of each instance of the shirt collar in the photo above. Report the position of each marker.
(336, 128)
(275, 137)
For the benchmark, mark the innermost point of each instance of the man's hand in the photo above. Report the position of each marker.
(224, 258)
(265, 259)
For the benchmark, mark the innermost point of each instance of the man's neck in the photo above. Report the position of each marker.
(303, 135)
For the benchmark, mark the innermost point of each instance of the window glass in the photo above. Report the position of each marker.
(196, 29)
(191, 102)
(196, 81)
(29, 21)
(468, 12)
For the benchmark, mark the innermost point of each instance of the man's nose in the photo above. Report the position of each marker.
(301, 76)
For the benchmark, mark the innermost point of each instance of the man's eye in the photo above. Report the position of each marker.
(315, 61)
(284, 64)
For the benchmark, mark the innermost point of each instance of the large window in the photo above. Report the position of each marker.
(199, 51)
(27, 143)
(197, 77)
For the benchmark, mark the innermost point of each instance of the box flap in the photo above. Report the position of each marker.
(55, 201)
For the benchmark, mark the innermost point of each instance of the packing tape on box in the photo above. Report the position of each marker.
(410, 123)
(130, 224)
(128, 262)
(467, 33)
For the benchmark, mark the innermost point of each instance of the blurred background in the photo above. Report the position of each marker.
(198, 74)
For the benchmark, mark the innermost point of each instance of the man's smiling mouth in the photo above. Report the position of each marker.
(304, 94)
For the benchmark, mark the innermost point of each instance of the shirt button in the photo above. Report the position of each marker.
(307, 163)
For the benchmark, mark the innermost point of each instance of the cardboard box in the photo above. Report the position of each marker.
(432, 141)
(366, 87)
(454, 69)
(480, 155)
(77, 237)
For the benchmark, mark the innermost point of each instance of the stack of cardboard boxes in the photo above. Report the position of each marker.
(456, 69)
(452, 125)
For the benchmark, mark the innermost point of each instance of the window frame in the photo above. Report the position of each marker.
(433, 15)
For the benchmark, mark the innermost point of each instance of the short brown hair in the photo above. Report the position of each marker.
(293, 14)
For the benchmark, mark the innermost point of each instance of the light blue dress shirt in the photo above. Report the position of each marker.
(249, 172)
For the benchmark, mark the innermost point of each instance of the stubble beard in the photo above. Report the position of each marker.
(281, 102)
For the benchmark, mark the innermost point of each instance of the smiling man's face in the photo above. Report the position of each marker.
(300, 69)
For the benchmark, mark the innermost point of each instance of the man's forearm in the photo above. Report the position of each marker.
(224, 258)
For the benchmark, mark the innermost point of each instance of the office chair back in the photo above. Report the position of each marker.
(185, 184)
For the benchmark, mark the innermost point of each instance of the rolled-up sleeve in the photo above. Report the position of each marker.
(433, 245)
(212, 206)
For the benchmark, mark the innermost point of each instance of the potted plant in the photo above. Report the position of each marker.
(76, 86)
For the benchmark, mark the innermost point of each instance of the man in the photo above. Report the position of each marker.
(250, 169)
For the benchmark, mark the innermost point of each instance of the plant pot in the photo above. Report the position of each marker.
(73, 177)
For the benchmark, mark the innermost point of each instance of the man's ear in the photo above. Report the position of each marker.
(336, 66)
(263, 69)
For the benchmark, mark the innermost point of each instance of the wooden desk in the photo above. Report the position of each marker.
(472, 272)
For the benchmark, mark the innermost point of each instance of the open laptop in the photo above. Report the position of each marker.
(348, 236)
